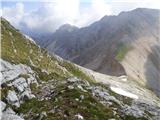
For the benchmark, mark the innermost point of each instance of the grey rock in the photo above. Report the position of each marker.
(27, 93)
(9, 114)
(11, 71)
(79, 117)
(12, 98)
(73, 79)
(6, 116)
(133, 111)
(20, 84)
(3, 105)
(9, 111)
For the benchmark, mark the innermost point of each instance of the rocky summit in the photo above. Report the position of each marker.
(38, 86)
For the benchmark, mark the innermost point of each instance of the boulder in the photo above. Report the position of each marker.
(20, 84)
(12, 98)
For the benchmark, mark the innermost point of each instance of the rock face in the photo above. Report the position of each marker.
(116, 45)
(7, 116)
(36, 85)
(16, 83)
(10, 71)
(18, 76)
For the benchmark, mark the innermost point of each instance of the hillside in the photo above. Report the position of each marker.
(36, 85)
(125, 44)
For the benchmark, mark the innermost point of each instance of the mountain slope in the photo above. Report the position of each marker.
(36, 85)
(116, 45)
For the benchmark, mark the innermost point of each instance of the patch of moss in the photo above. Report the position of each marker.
(129, 117)
(33, 108)
(4, 91)
(121, 51)
(33, 87)
(48, 76)
(25, 76)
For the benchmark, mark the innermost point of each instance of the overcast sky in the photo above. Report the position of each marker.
(47, 15)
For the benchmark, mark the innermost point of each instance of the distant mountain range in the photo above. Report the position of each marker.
(126, 44)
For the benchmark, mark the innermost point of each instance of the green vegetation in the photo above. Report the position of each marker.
(121, 52)
(88, 107)
(76, 71)
(47, 76)
(69, 103)
(25, 76)
(128, 117)
(4, 91)
(33, 87)
(17, 49)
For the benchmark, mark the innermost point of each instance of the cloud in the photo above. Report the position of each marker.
(96, 10)
(49, 16)
(127, 5)
(14, 14)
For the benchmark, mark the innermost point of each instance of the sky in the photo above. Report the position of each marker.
(45, 16)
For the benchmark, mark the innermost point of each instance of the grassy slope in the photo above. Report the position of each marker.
(17, 49)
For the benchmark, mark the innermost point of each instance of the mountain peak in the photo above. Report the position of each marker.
(140, 10)
(67, 28)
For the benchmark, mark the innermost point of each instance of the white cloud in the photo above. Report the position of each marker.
(94, 12)
(15, 14)
(126, 5)
(51, 15)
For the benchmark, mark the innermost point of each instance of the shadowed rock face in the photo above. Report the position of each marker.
(153, 69)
